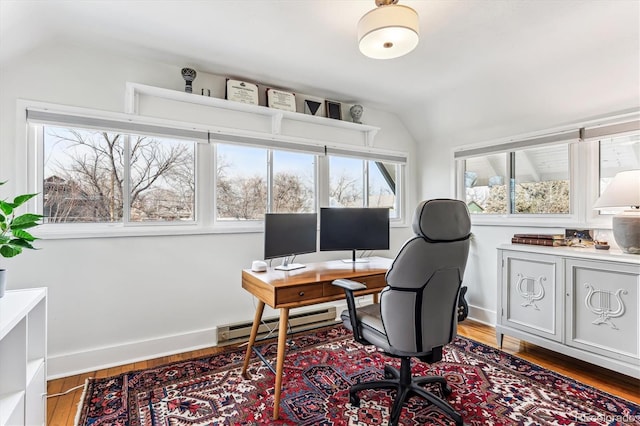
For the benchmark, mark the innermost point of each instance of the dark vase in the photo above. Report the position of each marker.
(189, 75)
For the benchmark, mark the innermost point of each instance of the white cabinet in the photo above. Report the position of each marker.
(579, 302)
(23, 353)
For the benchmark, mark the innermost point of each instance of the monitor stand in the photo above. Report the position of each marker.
(354, 259)
(286, 266)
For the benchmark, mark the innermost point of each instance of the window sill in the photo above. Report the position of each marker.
(63, 232)
(76, 231)
(548, 221)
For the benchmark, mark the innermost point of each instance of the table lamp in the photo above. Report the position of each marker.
(624, 191)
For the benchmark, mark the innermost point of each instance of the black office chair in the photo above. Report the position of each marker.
(417, 313)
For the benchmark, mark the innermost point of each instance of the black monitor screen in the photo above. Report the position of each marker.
(354, 228)
(286, 234)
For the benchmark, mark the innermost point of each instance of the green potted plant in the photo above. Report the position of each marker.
(14, 237)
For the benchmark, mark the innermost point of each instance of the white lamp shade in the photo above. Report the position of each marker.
(623, 191)
(388, 31)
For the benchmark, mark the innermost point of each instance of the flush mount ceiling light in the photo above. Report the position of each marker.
(389, 31)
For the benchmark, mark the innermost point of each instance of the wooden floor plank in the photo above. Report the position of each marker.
(61, 410)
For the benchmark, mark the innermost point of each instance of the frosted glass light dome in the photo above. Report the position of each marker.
(389, 31)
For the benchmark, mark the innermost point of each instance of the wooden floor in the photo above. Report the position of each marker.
(61, 410)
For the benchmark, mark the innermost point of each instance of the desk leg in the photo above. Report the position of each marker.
(282, 348)
(375, 297)
(252, 338)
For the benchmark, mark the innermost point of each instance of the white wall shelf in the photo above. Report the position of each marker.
(23, 343)
(279, 122)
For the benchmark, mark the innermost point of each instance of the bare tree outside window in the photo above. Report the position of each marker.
(84, 177)
(293, 182)
(346, 182)
(241, 181)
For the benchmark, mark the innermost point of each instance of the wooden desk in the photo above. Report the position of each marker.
(303, 287)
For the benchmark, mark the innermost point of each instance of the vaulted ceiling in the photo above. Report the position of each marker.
(479, 66)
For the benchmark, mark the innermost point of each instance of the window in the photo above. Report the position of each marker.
(538, 181)
(382, 186)
(356, 182)
(251, 181)
(102, 176)
(541, 180)
(552, 179)
(241, 182)
(485, 184)
(294, 182)
(616, 154)
(346, 182)
(107, 174)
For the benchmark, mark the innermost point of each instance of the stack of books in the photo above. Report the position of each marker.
(552, 240)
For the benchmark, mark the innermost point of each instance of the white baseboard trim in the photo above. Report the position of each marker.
(69, 364)
(482, 315)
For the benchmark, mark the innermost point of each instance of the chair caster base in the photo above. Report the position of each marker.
(354, 400)
(446, 391)
(391, 372)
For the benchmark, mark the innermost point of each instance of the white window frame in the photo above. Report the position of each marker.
(583, 170)
(594, 218)
(30, 178)
(30, 153)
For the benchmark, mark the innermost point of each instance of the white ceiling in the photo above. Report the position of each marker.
(479, 64)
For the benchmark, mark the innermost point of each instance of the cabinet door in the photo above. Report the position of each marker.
(602, 308)
(530, 293)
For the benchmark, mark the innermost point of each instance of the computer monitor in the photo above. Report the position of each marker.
(289, 234)
(354, 229)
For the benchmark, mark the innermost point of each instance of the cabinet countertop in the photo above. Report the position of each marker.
(611, 255)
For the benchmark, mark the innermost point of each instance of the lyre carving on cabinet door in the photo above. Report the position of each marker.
(600, 303)
(531, 289)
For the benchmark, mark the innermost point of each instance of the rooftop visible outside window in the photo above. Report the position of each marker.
(485, 183)
(85, 177)
(525, 181)
(542, 180)
(382, 186)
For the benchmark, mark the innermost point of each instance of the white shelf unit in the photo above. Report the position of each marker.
(230, 117)
(23, 354)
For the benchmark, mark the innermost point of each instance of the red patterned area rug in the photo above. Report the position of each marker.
(490, 387)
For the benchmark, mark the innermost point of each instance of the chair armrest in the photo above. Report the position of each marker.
(349, 284)
(349, 287)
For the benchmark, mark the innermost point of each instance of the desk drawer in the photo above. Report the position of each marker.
(298, 293)
(372, 282)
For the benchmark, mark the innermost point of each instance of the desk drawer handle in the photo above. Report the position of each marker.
(301, 293)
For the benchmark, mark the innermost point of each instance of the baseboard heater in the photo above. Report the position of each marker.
(298, 321)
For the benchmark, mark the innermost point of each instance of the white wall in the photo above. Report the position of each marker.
(437, 177)
(113, 300)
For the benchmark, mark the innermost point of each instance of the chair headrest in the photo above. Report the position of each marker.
(441, 220)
